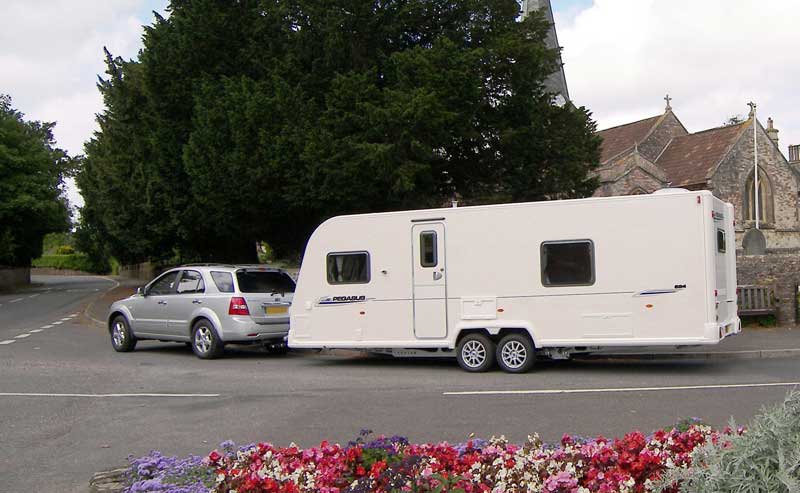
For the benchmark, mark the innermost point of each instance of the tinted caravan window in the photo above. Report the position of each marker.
(720, 241)
(427, 248)
(567, 263)
(348, 268)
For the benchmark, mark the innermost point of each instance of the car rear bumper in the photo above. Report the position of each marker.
(244, 329)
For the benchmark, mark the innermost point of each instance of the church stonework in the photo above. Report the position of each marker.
(659, 152)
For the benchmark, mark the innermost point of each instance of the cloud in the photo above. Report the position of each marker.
(52, 52)
(712, 56)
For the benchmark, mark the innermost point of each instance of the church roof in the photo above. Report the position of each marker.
(617, 140)
(688, 159)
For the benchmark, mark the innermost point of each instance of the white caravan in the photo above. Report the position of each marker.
(510, 282)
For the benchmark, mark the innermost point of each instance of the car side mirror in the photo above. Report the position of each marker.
(141, 291)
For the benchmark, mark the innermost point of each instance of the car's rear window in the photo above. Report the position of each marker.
(253, 281)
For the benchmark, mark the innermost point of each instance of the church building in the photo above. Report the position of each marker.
(659, 152)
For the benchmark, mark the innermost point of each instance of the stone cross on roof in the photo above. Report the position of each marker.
(668, 100)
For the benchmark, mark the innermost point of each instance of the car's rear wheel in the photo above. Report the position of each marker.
(475, 353)
(122, 339)
(516, 353)
(206, 343)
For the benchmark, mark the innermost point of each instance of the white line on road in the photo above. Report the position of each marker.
(16, 300)
(22, 336)
(10, 341)
(36, 331)
(65, 319)
(624, 389)
(46, 327)
(57, 323)
(37, 394)
(33, 295)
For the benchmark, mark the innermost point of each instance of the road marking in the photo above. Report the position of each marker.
(65, 319)
(36, 331)
(16, 300)
(57, 323)
(33, 295)
(10, 341)
(46, 327)
(38, 394)
(624, 389)
(22, 336)
(70, 316)
(74, 314)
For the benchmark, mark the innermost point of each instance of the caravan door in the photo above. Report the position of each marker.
(429, 281)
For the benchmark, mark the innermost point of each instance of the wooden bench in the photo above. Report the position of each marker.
(756, 300)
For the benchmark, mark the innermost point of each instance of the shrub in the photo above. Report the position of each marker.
(65, 250)
(76, 261)
(765, 458)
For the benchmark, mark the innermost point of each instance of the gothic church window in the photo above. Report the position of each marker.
(765, 202)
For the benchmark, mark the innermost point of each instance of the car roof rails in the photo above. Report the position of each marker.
(209, 264)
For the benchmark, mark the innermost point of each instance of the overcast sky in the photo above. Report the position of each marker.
(621, 58)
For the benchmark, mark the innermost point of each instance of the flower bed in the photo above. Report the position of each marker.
(634, 463)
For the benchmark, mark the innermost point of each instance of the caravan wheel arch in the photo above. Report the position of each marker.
(495, 332)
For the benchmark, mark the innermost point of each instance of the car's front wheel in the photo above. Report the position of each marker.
(206, 343)
(122, 339)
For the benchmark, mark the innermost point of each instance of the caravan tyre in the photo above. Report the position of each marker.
(475, 353)
(516, 353)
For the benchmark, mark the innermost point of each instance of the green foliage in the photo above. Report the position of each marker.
(764, 459)
(65, 250)
(248, 121)
(75, 261)
(52, 241)
(31, 175)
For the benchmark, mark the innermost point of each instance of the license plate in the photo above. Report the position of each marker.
(277, 310)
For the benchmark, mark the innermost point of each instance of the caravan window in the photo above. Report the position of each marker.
(348, 268)
(567, 263)
(720, 241)
(427, 248)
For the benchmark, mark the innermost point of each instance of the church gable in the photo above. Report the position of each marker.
(733, 181)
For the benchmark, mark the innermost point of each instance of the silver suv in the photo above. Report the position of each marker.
(207, 306)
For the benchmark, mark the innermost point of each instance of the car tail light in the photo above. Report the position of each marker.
(238, 306)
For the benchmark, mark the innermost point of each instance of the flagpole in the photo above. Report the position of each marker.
(755, 163)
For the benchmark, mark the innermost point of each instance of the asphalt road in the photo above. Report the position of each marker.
(70, 405)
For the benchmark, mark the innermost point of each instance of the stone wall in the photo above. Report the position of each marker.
(781, 271)
(11, 277)
(631, 174)
(145, 271)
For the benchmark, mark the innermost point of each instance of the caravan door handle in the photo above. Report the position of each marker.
(437, 276)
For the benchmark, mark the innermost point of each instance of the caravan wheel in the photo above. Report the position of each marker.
(475, 353)
(515, 353)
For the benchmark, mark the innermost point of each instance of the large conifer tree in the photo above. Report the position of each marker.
(252, 120)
